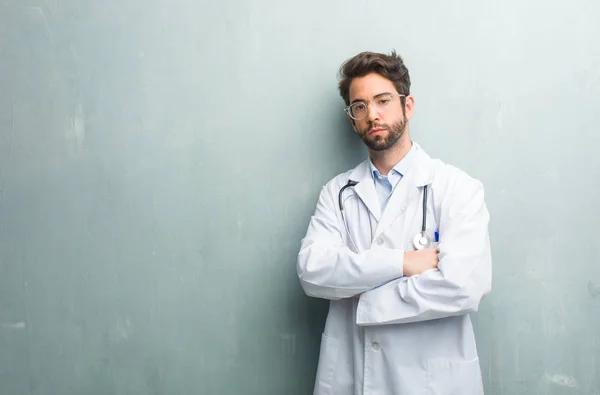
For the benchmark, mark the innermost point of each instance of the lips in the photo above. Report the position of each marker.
(375, 131)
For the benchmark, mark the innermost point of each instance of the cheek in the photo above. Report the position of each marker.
(402, 115)
(360, 126)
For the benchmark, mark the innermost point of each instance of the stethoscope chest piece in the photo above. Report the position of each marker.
(421, 241)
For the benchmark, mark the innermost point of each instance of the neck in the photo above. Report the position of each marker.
(384, 161)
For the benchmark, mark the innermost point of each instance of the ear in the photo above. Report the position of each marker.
(409, 106)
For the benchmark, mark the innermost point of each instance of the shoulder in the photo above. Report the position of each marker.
(341, 179)
(330, 190)
(457, 194)
(455, 182)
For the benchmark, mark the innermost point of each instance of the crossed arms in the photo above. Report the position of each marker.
(395, 286)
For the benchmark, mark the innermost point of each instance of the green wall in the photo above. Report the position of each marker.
(159, 161)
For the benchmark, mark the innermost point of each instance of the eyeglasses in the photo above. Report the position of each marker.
(359, 110)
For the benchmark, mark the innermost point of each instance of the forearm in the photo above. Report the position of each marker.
(428, 296)
(329, 269)
(335, 272)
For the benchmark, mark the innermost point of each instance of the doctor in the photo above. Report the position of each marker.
(402, 253)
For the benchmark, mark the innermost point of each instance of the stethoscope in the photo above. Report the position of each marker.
(421, 239)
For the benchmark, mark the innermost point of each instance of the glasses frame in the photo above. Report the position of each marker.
(347, 108)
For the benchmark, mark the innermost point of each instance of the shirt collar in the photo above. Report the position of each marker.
(401, 167)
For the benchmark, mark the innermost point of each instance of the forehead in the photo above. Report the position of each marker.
(370, 85)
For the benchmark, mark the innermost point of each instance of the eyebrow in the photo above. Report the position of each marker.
(375, 97)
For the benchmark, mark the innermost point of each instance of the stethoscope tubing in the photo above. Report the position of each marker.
(420, 241)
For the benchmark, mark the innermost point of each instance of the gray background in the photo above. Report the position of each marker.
(159, 161)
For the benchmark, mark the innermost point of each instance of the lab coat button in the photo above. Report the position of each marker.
(379, 241)
(375, 346)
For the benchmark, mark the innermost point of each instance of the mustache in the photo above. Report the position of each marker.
(376, 126)
(380, 126)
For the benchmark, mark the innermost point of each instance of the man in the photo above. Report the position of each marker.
(398, 321)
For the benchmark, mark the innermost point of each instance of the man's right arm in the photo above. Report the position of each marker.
(328, 269)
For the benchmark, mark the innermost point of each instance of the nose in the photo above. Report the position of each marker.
(373, 112)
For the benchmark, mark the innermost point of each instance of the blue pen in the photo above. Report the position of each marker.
(437, 236)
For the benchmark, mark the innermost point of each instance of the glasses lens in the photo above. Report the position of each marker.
(358, 110)
(383, 101)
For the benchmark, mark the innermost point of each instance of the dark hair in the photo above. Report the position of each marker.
(388, 66)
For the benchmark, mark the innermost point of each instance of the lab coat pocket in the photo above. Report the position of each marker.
(452, 377)
(328, 359)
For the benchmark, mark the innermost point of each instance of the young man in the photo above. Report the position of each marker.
(400, 247)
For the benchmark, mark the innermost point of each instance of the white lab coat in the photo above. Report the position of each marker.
(404, 335)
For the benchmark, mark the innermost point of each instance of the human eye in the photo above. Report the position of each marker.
(359, 107)
(382, 101)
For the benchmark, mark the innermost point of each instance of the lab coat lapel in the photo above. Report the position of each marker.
(407, 191)
(365, 189)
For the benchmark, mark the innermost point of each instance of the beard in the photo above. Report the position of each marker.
(382, 142)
